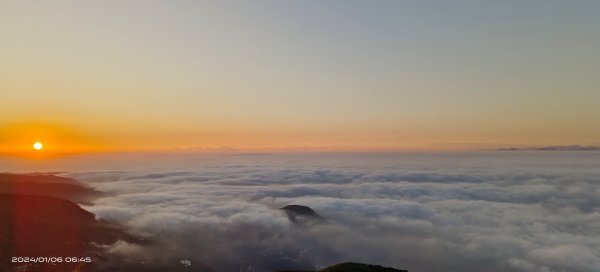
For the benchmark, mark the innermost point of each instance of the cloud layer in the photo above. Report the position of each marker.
(440, 213)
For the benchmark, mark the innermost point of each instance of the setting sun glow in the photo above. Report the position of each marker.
(38, 146)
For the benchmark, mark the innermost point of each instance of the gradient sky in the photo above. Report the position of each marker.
(355, 75)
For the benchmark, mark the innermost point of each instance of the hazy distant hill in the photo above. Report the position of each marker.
(553, 148)
(48, 185)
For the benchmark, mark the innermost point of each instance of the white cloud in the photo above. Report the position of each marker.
(438, 219)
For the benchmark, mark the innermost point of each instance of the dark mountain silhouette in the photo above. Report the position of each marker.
(352, 267)
(300, 214)
(48, 185)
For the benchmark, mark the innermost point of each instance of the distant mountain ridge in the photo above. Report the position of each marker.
(554, 148)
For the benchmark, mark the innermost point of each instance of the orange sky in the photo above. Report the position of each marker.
(120, 76)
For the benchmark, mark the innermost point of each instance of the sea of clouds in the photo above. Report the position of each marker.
(522, 211)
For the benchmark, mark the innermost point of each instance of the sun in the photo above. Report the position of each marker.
(38, 146)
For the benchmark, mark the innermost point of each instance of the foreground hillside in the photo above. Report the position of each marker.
(44, 226)
(40, 217)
